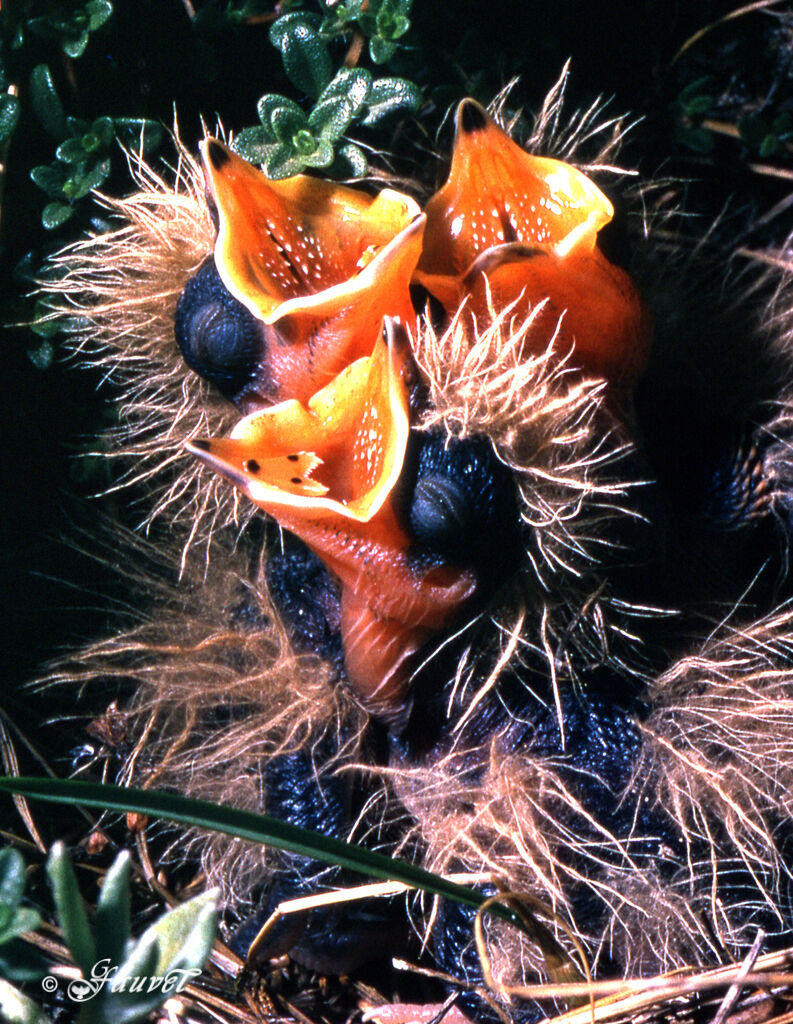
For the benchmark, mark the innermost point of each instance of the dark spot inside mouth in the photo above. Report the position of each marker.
(296, 480)
(201, 445)
(252, 466)
(217, 155)
(472, 117)
(508, 228)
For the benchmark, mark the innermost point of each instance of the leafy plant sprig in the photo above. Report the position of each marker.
(173, 949)
(767, 134)
(179, 942)
(83, 157)
(688, 111)
(383, 21)
(71, 24)
(288, 140)
(17, 961)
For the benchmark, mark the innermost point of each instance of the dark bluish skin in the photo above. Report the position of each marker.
(218, 337)
(331, 940)
(307, 596)
(596, 762)
(459, 504)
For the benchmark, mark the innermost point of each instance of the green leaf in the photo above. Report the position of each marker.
(769, 146)
(41, 324)
(79, 185)
(391, 24)
(175, 947)
(112, 922)
(46, 105)
(306, 59)
(49, 179)
(122, 1007)
(134, 131)
(184, 931)
(24, 919)
(42, 27)
(350, 162)
(9, 115)
(254, 144)
(303, 143)
(20, 962)
(16, 1008)
(70, 909)
(104, 129)
(693, 89)
(98, 12)
(700, 140)
(697, 106)
(258, 828)
(331, 118)
(331, 26)
(77, 126)
(287, 122)
(350, 84)
(282, 162)
(16, 38)
(71, 151)
(287, 23)
(74, 46)
(381, 50)
(54, 215)
(322, 156)
(12, 877)
(389, 95)
(367, 22)
(274, 107)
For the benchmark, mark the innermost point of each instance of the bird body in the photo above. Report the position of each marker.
(532, 623)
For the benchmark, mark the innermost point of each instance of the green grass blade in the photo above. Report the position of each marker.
(257, 828)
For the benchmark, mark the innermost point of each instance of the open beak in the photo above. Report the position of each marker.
(508, 227)
(326, 470)
(318, 264)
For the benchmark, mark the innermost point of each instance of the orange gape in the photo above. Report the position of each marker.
(326, 471)
(318, 264)
(510, 228)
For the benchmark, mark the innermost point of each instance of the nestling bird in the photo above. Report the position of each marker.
(519, 604)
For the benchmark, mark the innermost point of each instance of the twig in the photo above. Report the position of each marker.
(732, 993)
(353, 55)
(758, 5)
